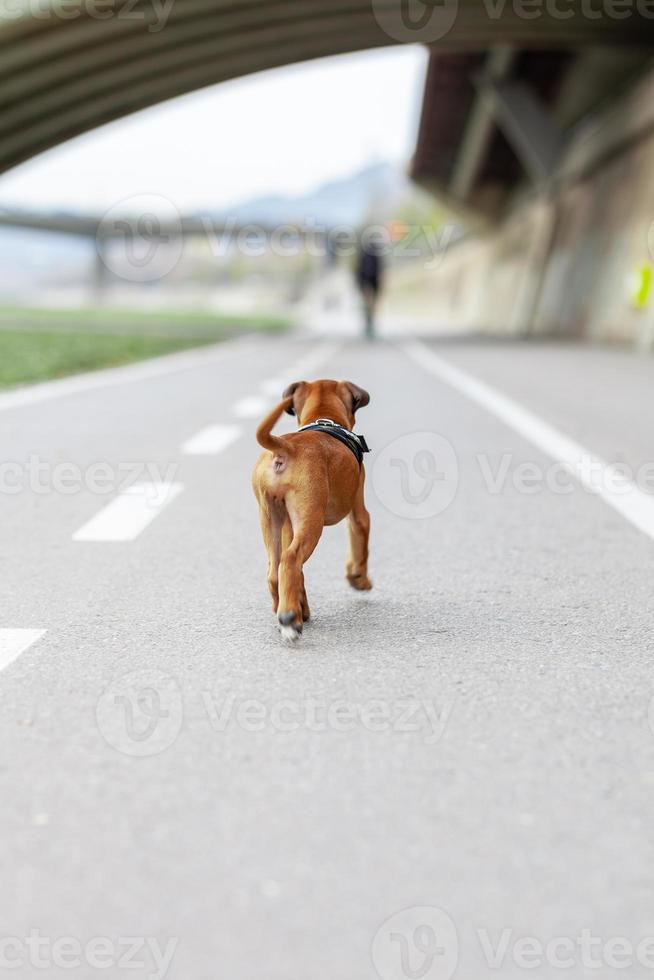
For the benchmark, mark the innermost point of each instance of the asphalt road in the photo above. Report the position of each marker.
(183, 795)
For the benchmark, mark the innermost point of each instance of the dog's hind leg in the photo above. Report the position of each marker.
(271, 528)
(287, 538)
(356, 570)
(307, 530)
(306, 612)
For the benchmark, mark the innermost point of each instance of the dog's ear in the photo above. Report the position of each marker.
(360, 397)
(290, 393)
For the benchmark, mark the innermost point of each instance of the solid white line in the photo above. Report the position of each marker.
(130, 513)
(110, 377)
(599, 477)
(250, 407)
(15, 642)
(211, 440)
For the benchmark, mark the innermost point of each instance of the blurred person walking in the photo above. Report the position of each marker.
(369, 280)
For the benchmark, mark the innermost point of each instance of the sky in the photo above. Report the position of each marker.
(280, 132)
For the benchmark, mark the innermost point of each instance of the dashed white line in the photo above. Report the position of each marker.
(127, 516)
(274, 387)
(130, 513)
(612, 486)
(300, 371)
(211, 440)
(16, 641)
(250, 407)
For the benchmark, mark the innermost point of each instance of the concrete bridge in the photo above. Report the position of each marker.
(536, 127)
(67, 66)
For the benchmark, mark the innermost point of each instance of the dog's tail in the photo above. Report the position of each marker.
(265, 437)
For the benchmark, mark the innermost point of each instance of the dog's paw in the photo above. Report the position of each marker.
(289, 629)
(360, 582)
(290, 634)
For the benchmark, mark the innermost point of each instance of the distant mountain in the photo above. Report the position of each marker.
(352, 200)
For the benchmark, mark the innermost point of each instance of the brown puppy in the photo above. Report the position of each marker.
(304, 481)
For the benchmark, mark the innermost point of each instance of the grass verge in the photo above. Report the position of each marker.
(38, 355)
(37, 345)
(160, 322)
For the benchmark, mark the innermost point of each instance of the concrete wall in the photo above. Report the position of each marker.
(567, 258)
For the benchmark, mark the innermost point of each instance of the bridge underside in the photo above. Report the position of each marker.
(67, 69)
(501, 122)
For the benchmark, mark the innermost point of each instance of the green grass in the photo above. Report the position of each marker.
(39, 344)
(38, 355)
(185, 322)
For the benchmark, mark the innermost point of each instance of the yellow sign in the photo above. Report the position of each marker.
(643, 282)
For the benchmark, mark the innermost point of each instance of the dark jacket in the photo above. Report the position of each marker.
(369, 271)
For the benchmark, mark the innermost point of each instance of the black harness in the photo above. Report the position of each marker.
(357, 444)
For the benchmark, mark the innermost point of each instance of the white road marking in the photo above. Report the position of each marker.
(594, 474)
(211, 440)
(109, 378)
(15, 642)
(274, 387)
(251, 407)
(307, 365)
(130, 513)
(300, 371)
